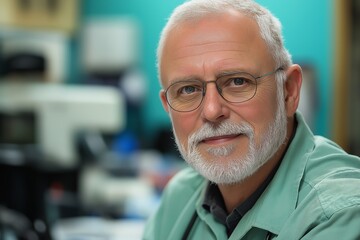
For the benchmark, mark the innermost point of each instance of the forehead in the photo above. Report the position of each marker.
(234, 28)
(213, 43)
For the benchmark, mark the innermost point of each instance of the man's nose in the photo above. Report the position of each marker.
(214, 107)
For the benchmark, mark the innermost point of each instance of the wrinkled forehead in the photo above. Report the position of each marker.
(217, 35)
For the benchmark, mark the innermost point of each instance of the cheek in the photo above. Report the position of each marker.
(183, 127)
(260, 112)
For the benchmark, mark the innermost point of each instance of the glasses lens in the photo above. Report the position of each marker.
(236, 88)
(185, 96)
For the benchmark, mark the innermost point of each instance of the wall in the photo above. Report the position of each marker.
(307, 27)
(308, 32)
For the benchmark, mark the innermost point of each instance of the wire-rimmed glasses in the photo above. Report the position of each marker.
(235, 87)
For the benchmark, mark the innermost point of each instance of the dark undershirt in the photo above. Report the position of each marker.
(214, 202)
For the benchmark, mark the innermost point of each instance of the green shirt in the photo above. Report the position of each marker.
(315, 194)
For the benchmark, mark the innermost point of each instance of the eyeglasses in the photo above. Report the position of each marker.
(187, 95)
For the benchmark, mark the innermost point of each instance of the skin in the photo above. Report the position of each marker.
(204, 49)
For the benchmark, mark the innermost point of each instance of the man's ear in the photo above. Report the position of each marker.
(163, 100)
(292, 89)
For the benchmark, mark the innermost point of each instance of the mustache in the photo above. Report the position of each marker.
(209, 130)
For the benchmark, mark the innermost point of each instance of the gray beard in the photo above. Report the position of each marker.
(237, 169)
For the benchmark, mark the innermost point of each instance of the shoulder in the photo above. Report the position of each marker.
(332, 208)
(338, 191)
(182, 191)
(332, 177)
(329, 161)
(328, 201)
(177, 203)
(185, 181)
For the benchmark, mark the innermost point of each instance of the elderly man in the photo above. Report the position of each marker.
(257, 171)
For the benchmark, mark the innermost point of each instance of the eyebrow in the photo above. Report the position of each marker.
(187, 78)
(229, 72)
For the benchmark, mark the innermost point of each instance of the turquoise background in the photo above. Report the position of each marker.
(308, 32)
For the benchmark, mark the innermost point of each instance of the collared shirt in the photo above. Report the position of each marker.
(214, 203)
(314, 195)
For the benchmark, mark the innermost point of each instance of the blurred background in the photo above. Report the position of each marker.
(85, 145)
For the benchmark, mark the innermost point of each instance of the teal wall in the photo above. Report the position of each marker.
(307, 27)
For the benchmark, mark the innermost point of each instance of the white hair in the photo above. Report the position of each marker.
(269, 25)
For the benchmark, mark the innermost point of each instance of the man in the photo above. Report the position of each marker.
(257, 171)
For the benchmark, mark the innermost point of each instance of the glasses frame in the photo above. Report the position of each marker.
(204, 85)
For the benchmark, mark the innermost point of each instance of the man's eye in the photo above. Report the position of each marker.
(188, 89)
(238, 81)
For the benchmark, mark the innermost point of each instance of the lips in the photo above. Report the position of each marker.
(220, 139)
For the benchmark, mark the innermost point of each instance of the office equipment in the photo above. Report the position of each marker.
(50, 116)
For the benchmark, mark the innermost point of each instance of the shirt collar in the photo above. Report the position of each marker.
(214, 203)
